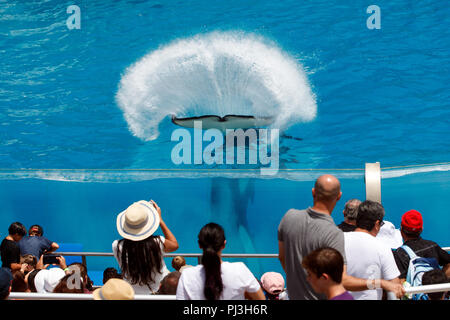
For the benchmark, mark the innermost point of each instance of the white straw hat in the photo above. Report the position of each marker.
(114, 289)
(138, 221)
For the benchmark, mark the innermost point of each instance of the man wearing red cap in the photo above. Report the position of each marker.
(411, 228)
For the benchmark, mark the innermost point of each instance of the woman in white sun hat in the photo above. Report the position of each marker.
(140, 253)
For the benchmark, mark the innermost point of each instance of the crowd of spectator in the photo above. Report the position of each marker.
(363, 258)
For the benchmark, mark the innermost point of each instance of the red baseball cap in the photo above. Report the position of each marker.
(412, 221)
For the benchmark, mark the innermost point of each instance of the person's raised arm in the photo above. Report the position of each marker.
(54, 247)
(171, 243)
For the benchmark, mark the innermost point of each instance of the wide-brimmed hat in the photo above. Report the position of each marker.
(114, 289)
(138, 221)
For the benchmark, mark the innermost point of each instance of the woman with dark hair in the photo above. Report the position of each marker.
(140, 253)
(67, 285)
(9, 248)
(215, 279)
(18, 283)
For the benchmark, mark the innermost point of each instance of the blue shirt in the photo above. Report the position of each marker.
(34, 245)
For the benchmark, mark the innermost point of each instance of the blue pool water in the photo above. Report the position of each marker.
(85, 114)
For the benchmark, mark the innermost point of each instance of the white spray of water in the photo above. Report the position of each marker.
(218, 73)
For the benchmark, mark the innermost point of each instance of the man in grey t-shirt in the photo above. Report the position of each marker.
(302, 231)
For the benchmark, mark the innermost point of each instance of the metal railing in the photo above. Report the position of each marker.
(83, 255)
(78, 296)
(443, 287)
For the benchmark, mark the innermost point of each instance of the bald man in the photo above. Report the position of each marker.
(303, 231)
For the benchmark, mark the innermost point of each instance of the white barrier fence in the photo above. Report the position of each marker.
(78, 296)
(70, 296)
(441, 287)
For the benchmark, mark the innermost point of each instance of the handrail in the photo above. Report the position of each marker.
(79, 296)
(186, 255)
(171, 255)
(442, 287)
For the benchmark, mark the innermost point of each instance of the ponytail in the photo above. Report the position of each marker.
(211, 239)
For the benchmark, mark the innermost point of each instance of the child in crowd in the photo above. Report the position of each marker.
(273, 286)
(435, 276)
(179, 263)
(324, 268)
(111, 273)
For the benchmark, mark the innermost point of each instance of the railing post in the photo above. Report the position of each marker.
(372, 179)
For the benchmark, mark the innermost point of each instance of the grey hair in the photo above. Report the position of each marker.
(351, 209)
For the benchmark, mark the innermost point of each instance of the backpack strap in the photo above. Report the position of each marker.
(409, 251)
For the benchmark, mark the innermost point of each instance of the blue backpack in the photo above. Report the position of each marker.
(417, 267)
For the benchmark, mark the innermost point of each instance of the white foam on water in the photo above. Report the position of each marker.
(400, 172)
(137, 175)
(218, 73)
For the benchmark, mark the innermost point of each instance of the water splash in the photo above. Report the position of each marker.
(219, 73)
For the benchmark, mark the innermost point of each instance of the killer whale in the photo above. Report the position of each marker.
(230, 121)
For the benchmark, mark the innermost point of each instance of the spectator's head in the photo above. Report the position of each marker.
(324, 268)
(351, 209)
(81, 269)
(110, 273)
(17, 231)
(30, 260)
(435, 276)
(178, 262)
(169, 284)
(5, 283)
(18, 282)
(370, 216)
(273, 284)
(114, 289)
(446, 269)
(211, 240)
(412, 224)
(327, 191)
(140, 255)
(29, 280)
(36, 230)
(68, 284)
(138, 222)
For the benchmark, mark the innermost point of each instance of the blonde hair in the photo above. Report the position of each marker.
(178, 262)
(29, 259)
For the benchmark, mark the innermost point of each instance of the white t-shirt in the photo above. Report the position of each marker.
(236, 278)
(157, 277)
(369, 258)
